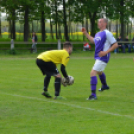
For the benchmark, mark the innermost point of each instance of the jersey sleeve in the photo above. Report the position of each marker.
(111, 38)
(65, 59)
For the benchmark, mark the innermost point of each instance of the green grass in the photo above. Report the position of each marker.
(24, 111)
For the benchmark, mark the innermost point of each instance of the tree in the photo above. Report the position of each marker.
(56, 17)
(42, 13)
(55, 8)
(41, 9)
(120, 10)
(65, 21)
(92, 8)
(122, 17)
(27, 7)
(11, 7)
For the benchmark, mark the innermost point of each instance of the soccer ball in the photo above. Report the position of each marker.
(71, 81)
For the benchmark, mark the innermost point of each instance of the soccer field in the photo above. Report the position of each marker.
(23, 110)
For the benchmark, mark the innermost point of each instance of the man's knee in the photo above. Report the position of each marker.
(58, 76)
(100, 73)
(93, 73)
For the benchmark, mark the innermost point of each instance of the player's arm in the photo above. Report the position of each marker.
(87, 35)
(63, 70)
(112, 48)
(65, 60)
(64, 73)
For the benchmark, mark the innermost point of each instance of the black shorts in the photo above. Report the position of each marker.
(47, 68)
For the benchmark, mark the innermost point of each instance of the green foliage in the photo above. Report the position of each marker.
(78, 11)
(12, 51)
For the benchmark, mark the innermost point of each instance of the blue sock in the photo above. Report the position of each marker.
(103, 79)
(93, 85)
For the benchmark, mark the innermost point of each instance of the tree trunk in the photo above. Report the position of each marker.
(32, 26)
(37, 26)
(69, 20)
(122, 19)
(77, 30)
(117, 29)
(131, 27)
(9, 29)
(87, 24)
(0, 27)
(26, 24)
(56, 19)
(127, 28)
(51, 29)
(93, 23)
(65, 22)
(69, 34)
(59, 27)
(13, 29)
(109, 26)
(19, 30)
(0, 24)
(43, 25)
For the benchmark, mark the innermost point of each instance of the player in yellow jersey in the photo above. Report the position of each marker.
(47, 62)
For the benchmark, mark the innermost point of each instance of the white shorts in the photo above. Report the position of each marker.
(99, 66)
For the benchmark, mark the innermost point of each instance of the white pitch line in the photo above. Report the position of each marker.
(73, 105)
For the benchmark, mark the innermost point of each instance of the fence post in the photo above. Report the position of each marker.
(59, 44)
(12, 44)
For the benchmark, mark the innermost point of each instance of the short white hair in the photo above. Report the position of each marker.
(105, 20)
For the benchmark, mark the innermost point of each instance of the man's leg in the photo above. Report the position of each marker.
(34, 47)
(93, 84)
(57, 85)
(46, 83)
(98, 67)
(123, 48)
(129, 48)
(133, 48)
(41, 64)
(102, 77)
(117, 49)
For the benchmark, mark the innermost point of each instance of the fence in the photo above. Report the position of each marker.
(45, 45)
(40, 45)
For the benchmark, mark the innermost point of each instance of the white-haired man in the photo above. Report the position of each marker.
(104, 43)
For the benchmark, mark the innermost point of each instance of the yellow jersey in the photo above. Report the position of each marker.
(55, 56)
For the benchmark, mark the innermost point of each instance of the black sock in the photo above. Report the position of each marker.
(46, 82)
(57, 86)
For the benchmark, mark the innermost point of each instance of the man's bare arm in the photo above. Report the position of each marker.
(112, 48)
(87, 35)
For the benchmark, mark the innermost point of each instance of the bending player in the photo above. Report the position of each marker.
(104, 44)
(47, 62)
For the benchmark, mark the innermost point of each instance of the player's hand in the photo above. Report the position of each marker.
(102, 53)
(133, 59)
(84, 30)
(65, 81)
